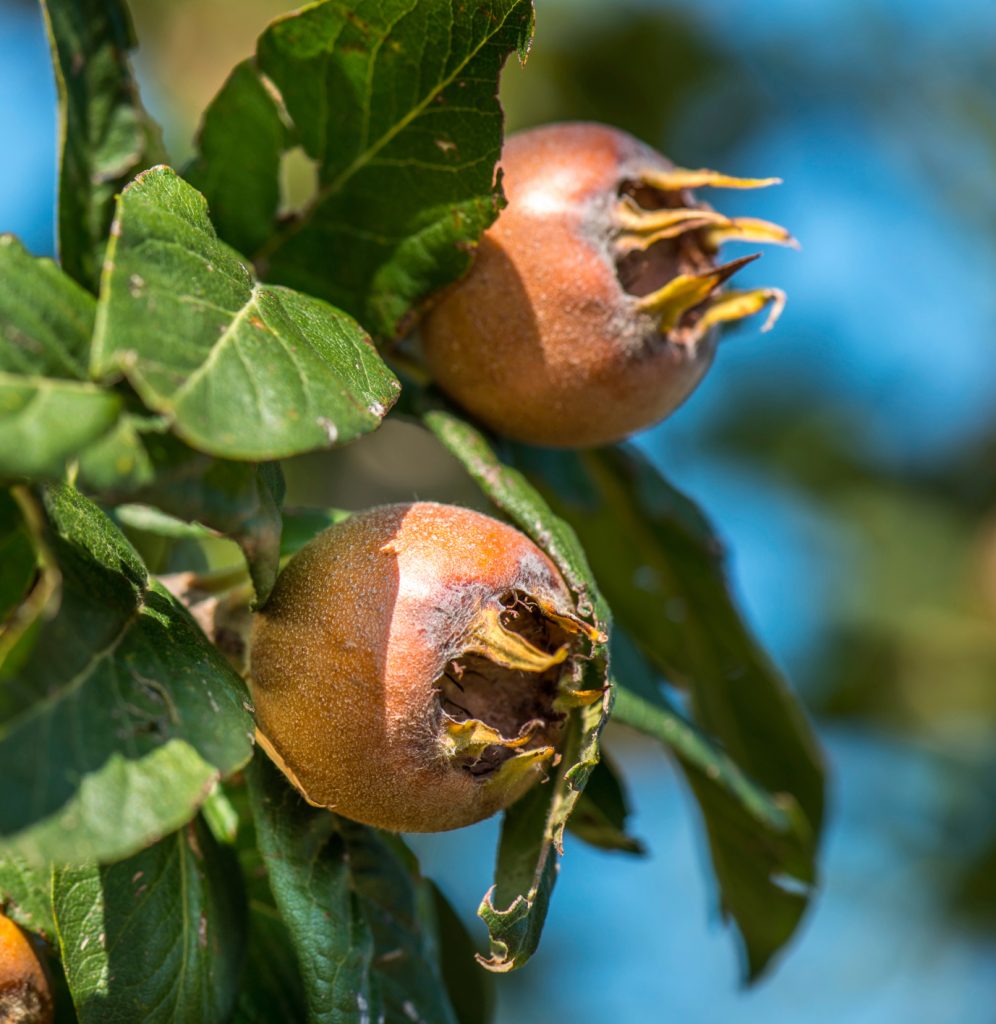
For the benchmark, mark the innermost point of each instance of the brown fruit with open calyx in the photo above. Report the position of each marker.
(590, 311)
(25, 997)
(413, 667)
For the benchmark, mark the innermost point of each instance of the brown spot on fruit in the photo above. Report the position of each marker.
(415, 692)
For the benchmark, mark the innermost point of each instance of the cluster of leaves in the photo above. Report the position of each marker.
(190, 337)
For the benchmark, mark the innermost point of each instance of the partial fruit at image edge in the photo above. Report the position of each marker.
(25, 997)
(592, 307)
(414, 667)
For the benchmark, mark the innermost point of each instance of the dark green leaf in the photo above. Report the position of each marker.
(26, 895)
(19, 630)
(105, 134)
(396, 101)
(156, 937)
(242, 370)
(660, 565)
(45, 325)
(358, 913)
(238, 165)
(471, 990)
(600, 815)
(761, 845)
(18, 559)
(515, 909)
(115, 727)
(270, 988)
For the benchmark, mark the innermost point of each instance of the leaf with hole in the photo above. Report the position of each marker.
(533, 829)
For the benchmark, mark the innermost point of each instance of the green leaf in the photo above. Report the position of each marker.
(532, 834)
(105, 136)
(18, 559)
(600, 815)
(156, 937)
(660, 565)
(270, 988)
(661, 568)
(46, 319)
(237, 169)
(121, 718)
(471, 990)
(152, 520)
(358, 913)
(120, 462)
(515, 907)
(26, 895)
(762, 847)
(45, 325)
(242, 370)
(34, 414)
(237, 499)
(397, 102)
(19, 629)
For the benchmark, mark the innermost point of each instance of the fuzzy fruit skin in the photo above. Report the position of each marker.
(360, 625)
(540, 341)
(25, 997)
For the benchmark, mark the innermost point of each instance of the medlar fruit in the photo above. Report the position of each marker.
(591, 308)
(413, 666)
(25, 997)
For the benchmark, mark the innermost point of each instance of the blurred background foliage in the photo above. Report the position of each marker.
(849, 458)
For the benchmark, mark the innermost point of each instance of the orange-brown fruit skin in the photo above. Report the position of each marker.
(540, 341)
(25, 997)
(360, 625)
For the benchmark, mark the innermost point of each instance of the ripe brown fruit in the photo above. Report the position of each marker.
(591, 308)
(25, 997)
(413, 666)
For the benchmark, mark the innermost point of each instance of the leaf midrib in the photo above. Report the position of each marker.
(279, 239)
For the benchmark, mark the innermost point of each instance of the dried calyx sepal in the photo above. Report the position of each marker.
(504, 698)
(659, 207)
